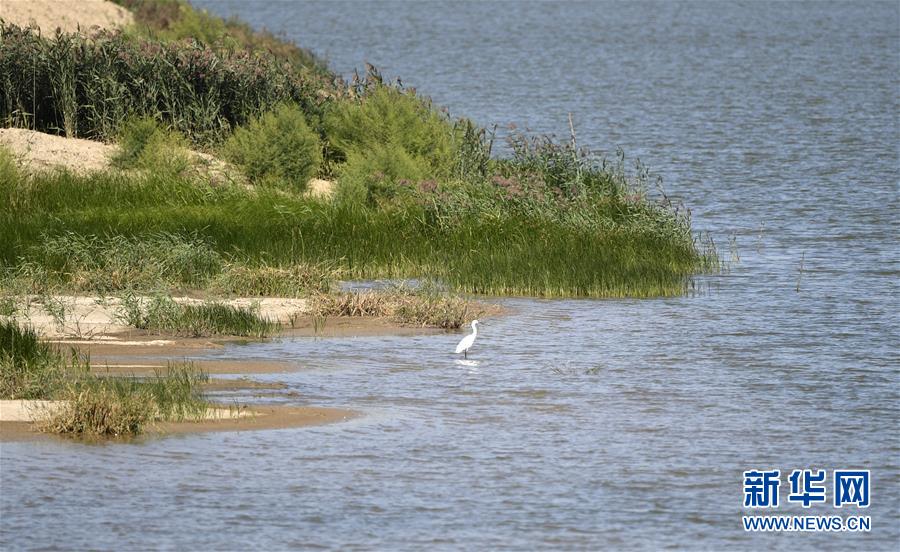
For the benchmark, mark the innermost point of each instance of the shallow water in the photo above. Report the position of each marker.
(576, 424)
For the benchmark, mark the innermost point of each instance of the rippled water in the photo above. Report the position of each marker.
(577, 424)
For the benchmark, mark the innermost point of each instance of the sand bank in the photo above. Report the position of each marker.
(67, 15)
(81, 319)
(17, 419)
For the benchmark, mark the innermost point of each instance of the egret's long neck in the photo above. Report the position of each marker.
(474, 329)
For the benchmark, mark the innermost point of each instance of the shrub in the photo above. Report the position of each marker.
(385, 172)
(276, 147)
(392, 132)
(144, 144)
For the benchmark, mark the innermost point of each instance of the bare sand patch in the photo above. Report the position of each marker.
(81, 319)
(67, 15)
(262, 417)
(27, 411)
(39, 152)
(318, 187)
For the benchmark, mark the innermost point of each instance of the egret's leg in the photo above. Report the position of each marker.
(465, 353)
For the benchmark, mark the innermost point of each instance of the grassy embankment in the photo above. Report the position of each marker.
(418, 194)
(33, 369)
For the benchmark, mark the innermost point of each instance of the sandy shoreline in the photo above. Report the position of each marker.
(252, 418)
(91, 328)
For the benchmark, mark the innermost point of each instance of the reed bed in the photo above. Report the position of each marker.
(177, 20)
(89, 86)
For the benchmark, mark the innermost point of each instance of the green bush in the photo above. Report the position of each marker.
(385, 172)
(388, 136)
(144, 144)
(278, 147)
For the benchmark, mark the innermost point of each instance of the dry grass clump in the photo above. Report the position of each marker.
(100, 410)
(114, 406)
(425, 309)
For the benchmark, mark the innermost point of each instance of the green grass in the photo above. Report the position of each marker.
(29, 368)
(162, 314)
(476, 241)
(33, 369)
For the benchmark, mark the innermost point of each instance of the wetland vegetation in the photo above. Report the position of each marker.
(416, 193)
(411, 193)
(92, 405)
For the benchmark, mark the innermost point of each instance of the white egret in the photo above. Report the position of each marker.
(467, 341)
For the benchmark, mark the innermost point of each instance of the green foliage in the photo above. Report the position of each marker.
(276, 147)
(482, 238)
(160, 313)
(274, 281)
(112, 263)
(89, 86)
(388, 136)
(29, 368)
(384, 173)
(143, 144)
(177, 20)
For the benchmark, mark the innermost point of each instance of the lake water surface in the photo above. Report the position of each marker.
(612, 424)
